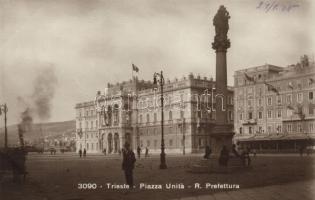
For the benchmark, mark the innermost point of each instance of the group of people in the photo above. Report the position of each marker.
(139, 152)
(243, 154)
(84, 153)
(303, 148)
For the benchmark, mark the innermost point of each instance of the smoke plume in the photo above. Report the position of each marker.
(25, 125)
(44, 92)
(39, 103)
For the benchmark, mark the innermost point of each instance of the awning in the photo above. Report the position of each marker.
(276, 137)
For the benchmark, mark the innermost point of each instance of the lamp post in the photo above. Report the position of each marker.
(158, 78)
(183, 131)
(4, 109)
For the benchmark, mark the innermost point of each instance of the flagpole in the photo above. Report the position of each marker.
(132, 74)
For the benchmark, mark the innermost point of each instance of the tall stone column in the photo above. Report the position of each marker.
(222, 132)
(220, 45)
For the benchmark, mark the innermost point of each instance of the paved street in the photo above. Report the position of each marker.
(58, 176)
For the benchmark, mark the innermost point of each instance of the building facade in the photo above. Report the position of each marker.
(274, 107)
(131, 112)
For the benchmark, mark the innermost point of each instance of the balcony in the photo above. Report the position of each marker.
(250, 122)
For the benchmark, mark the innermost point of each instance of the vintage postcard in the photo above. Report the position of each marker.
(157, 99)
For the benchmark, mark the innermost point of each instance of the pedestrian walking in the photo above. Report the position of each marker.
(207, 152)
(139, 151)
(246, 156)
(80, 153)
(254, 152)
(301, 150)
(146, 152)
(224, 156)
(308, 150)
(128, 164)
(84, 152)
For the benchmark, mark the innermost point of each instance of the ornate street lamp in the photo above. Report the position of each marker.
(4, 109)
(158, 78)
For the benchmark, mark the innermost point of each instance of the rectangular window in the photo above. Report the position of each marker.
(279, 128)
(259, 101)
(155, 144)
(279, 100)
(269, 114)
(299, 128)
(279, 113)
(86, 125)
(269, 129)
(140, 119)
(299, 97)
(171, 143)
(249, 101)
(269, 101)
(241, 116)
(230, 115)
(250, 130)
(289, 128)
(289, 112)
(311, 127)
(310, 96)
(250, 115)
(148, 118)
(289, 98)
(260, 129)
(260, 115)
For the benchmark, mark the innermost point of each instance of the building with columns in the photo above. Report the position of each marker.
(131, 112)
(274, 106)
(197, 111)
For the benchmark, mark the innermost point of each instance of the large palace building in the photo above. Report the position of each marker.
(274, 107)
(131, 112)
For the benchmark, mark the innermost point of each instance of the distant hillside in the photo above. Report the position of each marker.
(50, 129)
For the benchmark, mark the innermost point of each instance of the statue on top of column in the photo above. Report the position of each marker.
(221, 24)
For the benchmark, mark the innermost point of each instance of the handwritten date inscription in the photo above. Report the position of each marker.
(272, 6)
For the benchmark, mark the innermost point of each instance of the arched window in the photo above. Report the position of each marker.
(148, 118)
(86, 125)
(182, 114)
(140, 119)
(116, 114)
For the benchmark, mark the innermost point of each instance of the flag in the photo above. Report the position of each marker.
(135, 68)
(300, 113)
(272, 88)
(311, 108)
(249, 78)
(290, 107)
(290, 85)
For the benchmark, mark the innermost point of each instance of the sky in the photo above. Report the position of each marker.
(90, 43)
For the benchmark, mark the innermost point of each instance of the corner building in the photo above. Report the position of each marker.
(274, 107)
(131, 112)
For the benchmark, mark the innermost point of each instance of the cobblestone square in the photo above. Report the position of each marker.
(57, 177)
